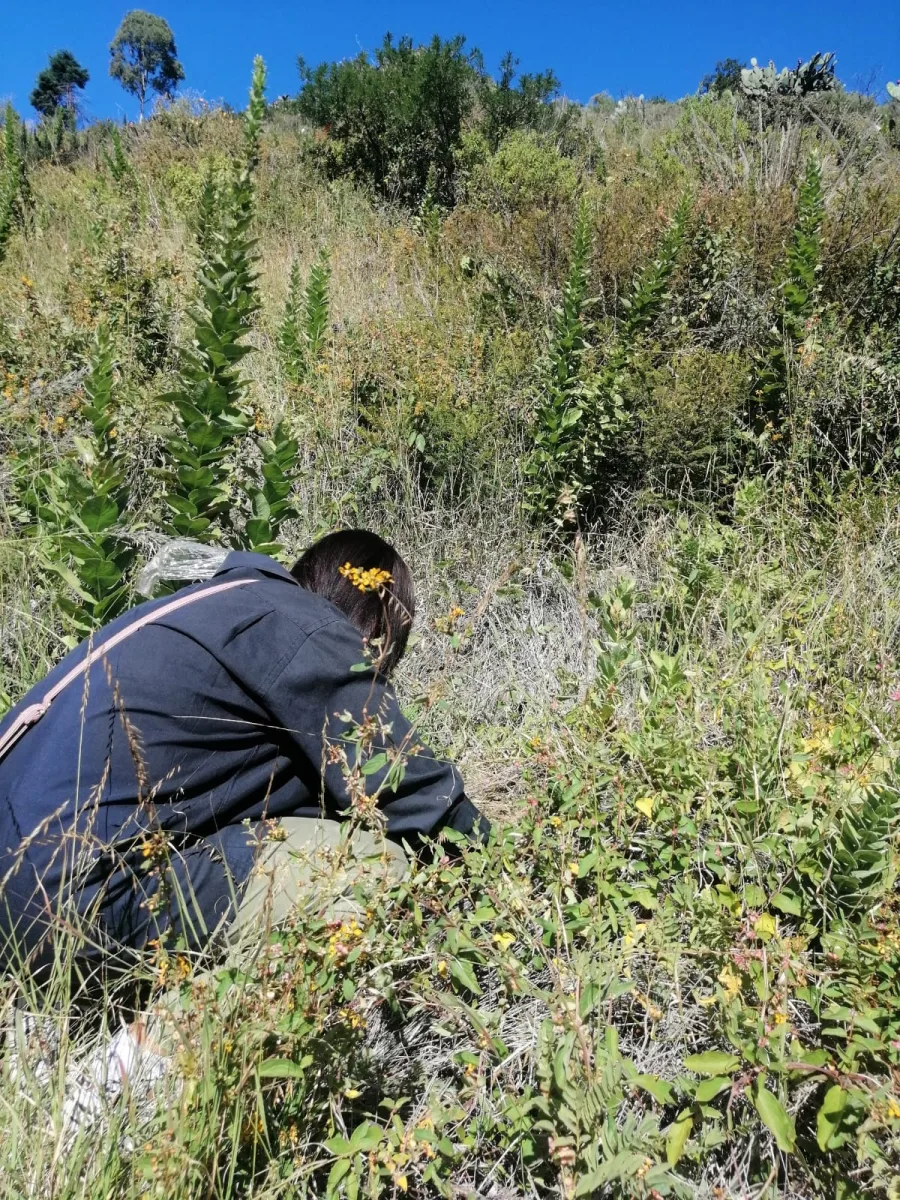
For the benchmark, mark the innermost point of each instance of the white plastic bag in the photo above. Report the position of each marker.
(183, 560)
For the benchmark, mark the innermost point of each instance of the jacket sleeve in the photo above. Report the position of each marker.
(322, 695)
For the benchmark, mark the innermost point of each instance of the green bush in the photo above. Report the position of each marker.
(397, 121)
(394, 122)
(526, 175)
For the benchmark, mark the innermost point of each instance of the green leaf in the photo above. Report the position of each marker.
(787, 903)
(258, 531)
(99, 513)
(365, 1137)
(336, 1174)
(463, 974)
(353, 1186)
(659, 1089)
(282, 1068)
(375, 764)
(71, 579)
(773, 1115)
(99, 574)
(204, 436)
(337, 1145)
(710, 1088)
(679, 1132)
(831, 1117)
(713, 1062)
(261, 508)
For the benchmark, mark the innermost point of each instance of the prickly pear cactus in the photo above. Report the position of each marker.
(817, 75)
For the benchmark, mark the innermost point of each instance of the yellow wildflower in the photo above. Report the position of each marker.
(370, 579)
(730, 982)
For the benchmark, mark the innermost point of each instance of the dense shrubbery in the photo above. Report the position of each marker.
(396, 120)
(623, 383)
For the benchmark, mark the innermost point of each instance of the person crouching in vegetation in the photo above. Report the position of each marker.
(173, 776)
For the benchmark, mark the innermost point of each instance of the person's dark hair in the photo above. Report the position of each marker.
(335, 566)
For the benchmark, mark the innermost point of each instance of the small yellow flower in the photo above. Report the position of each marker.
(730, 982)
(370, 579)
(504, 940)
(780, 1018)
(442, 968)
(556, 822)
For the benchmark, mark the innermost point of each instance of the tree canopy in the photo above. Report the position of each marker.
(396, 119)
(57, 84)
(144, 57)
(725, 78)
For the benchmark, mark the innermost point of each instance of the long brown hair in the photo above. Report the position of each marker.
(383, 612)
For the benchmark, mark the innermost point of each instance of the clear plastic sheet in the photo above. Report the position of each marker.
(181, 560)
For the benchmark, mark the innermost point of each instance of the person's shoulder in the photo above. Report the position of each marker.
(277, 591)
(307, 610)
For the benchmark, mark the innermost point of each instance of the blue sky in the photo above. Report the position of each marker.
(656, 47)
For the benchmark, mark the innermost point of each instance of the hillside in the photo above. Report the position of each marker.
(622, 382)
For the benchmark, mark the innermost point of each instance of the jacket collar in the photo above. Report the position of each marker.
(246, 560)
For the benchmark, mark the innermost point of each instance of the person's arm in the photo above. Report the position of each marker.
(310, 698)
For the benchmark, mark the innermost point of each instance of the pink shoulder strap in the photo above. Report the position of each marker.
(32, 714)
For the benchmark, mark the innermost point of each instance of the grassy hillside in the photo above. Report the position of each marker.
(622, 383)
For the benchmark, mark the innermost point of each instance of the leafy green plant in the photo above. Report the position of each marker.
(304, 325)
(13, 179)
(210, 414)
(78, 504)
(557, 468)
(506, 106)
(271, 503)
(117, 162)
(798, 289)
(585, 414)
(859, 858)
(649, 292)
(394, 122)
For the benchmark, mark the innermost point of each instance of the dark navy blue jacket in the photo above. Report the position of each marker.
(197, 726)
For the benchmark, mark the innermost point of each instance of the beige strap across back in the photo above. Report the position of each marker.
(32, 714)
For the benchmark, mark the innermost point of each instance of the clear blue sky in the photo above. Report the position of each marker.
(658, 47)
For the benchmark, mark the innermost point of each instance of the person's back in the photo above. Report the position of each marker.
(163, 758)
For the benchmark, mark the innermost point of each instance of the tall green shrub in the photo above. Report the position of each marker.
(209, 410)
(78, 503)
(581, 423)
(798, 288)
(557, 468)
(505, 106)
(304, 326)
(395, 121)
(13, 179)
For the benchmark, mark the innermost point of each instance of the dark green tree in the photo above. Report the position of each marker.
(57, 85)
(725, 78)
(505, 107)
(144, 56)
(395, 121)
